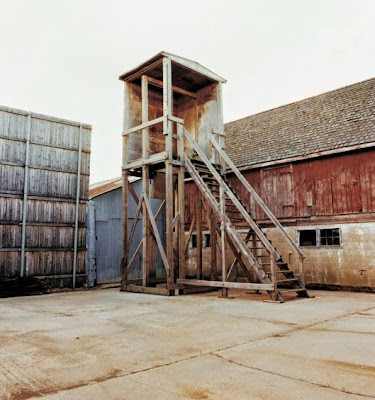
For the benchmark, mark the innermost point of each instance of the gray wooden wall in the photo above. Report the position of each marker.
(52, 171)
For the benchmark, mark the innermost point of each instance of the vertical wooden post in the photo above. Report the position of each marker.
(125, 199)
(169, 220)
(213, 246)
(167, 104)
(145, 185)
(198, 212)
(145, 132)
(78, 193)
(273, 276)
(145, 225)
(220, 123)
(302, 271)
(125, 187)
(25, 193)
(167, 128)
(223, 250)
(181, 205)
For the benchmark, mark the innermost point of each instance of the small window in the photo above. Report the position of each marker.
(206, 240)
(330, 237)
(307, 237)
(193, 241)
(319, 237)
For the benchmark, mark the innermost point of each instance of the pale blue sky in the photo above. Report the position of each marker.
(63, 57)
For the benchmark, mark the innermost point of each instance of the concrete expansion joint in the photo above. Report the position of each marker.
(292, 378)
(216, 351)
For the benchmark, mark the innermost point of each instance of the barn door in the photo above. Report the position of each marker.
(277, 190)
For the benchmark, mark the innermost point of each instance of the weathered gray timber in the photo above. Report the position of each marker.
(105, 236)
(42, 169)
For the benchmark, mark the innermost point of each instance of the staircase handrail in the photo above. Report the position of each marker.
(255, 196)
(230, 194)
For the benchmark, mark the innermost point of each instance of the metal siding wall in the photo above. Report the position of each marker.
(108, 221)
(108, 231)
(52, 185)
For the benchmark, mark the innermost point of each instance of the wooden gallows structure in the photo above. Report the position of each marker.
(173, 135)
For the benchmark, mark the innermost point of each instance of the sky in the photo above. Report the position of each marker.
(63, 57)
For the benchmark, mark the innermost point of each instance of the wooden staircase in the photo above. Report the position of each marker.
(256, 257)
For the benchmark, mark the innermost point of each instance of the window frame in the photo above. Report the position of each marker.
(319, 244)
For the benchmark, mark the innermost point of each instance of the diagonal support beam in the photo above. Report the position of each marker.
(132, 261)
(137, 212)
(157, 237)
(247, 238)
(190, 233)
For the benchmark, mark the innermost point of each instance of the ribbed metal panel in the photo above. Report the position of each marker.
(108, 231)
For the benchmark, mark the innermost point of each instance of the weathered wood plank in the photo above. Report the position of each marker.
(228, 285)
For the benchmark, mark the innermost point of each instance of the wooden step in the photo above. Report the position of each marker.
(277, 263)
(288, 271)
(291, 290)
(288, 280)
(209, 178)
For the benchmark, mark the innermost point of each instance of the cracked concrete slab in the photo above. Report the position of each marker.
(107, 344)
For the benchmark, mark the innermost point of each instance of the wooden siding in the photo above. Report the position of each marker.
(51, 199)
(326, 186)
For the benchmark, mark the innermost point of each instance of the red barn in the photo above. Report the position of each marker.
(313, 163)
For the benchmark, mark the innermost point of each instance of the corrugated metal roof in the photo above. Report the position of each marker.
(330, 121)
(99, 188)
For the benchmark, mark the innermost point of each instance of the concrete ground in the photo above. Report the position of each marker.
(105, 344)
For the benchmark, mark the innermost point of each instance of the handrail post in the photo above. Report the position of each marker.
(302, 271)
(222, 238)
(273, 276)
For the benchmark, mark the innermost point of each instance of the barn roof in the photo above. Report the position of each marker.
(96, 189)
(336, 121)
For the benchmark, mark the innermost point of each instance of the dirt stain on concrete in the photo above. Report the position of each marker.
(196, 393)
(28, 394)
(358, 368)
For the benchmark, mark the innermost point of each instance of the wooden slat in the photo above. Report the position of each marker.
(143, 126)
(152, 159)
(229, 285)
(176, 89)
(160, 291)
